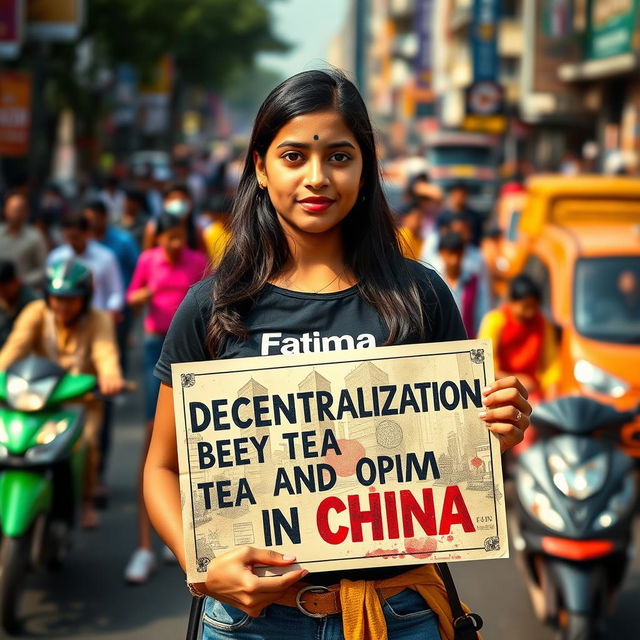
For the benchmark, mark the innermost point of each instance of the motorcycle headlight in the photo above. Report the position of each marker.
(52, 441)
(619, 505)
(578, 482)
(537, 503)
(599, 381)
(51, 430)
(29, 396)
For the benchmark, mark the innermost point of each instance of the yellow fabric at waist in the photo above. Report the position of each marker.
(362, 616)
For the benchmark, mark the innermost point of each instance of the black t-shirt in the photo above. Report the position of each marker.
(282, 321)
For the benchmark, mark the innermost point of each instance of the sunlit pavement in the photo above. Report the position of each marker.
(88, 599)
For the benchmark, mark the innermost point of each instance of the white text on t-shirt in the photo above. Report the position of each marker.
(312, 342)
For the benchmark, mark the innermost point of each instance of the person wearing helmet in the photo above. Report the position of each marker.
(66, 329)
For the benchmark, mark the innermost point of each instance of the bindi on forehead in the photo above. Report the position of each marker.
(316, 137)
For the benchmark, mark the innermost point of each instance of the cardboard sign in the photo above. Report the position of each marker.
(345, 459)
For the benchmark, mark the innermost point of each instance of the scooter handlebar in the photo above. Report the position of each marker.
(129, 387)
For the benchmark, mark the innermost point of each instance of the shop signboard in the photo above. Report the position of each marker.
(424, 33)
(484, 40)
(55, 20)
(15, 113)
(612, 26)
(550, 45)
(11, 28)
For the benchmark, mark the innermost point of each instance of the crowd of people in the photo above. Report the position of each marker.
(73, 277)
(443, 231)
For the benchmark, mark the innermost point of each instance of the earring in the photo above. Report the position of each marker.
(262, 184)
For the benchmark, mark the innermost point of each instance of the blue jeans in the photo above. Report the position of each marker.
(152, 348)
(407, 615)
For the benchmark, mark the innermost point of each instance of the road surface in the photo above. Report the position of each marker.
(88, 599)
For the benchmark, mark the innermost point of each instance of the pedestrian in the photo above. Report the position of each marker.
(126, 252)
(457, 202)
(418, 224)
(314, 248)
(120, 242)
(53, 207)
(108, 291)
(492, 250)
(524, 341)
(178, 202)
(113, 197)
(14, 297)
(473, 260)
(20, 242)
(162, 278)
(135, 215)
(217, 234)
(469, 290)
(66, 329)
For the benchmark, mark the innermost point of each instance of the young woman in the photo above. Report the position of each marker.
(177, 201)
(160, 281)
(313, 248)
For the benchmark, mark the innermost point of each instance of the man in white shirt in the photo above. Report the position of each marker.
(113, 197)
(20, 242)
(108, 290)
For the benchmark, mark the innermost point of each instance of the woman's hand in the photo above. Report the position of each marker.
(230, 579)
(506, 411)
(110, 384)
(139, 296)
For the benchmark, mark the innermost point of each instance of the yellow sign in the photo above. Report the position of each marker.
(54, 20)
(485, 124)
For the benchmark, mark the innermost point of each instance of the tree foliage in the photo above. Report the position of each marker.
(208, 39)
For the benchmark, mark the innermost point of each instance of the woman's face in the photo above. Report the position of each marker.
(173, 242)
(312, 171)
(177, 203)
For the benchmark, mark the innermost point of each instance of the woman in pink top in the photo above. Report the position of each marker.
(161, 279)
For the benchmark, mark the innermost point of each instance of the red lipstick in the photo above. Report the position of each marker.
(316, 204)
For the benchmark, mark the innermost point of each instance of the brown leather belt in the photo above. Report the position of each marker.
(317, 601)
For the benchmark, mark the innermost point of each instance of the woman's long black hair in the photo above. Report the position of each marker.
(259, 249)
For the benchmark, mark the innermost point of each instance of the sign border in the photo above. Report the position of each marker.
(189, 379)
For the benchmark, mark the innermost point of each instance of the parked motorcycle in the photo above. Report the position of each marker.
(576, 493)
(41, 471)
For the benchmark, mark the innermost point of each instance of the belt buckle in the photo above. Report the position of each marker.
(300, 601)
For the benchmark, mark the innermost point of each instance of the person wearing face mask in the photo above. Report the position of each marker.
(177, 202)
(160, 281)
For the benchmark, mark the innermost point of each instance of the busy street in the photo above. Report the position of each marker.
(307, 307)
(89, 601)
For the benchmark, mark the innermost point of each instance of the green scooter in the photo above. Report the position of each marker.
(42, 456)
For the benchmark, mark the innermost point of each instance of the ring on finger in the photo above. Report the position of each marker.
(518, 415)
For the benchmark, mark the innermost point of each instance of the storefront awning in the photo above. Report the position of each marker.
(596, 69)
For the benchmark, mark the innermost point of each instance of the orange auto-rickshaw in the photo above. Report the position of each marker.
(579, 238)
